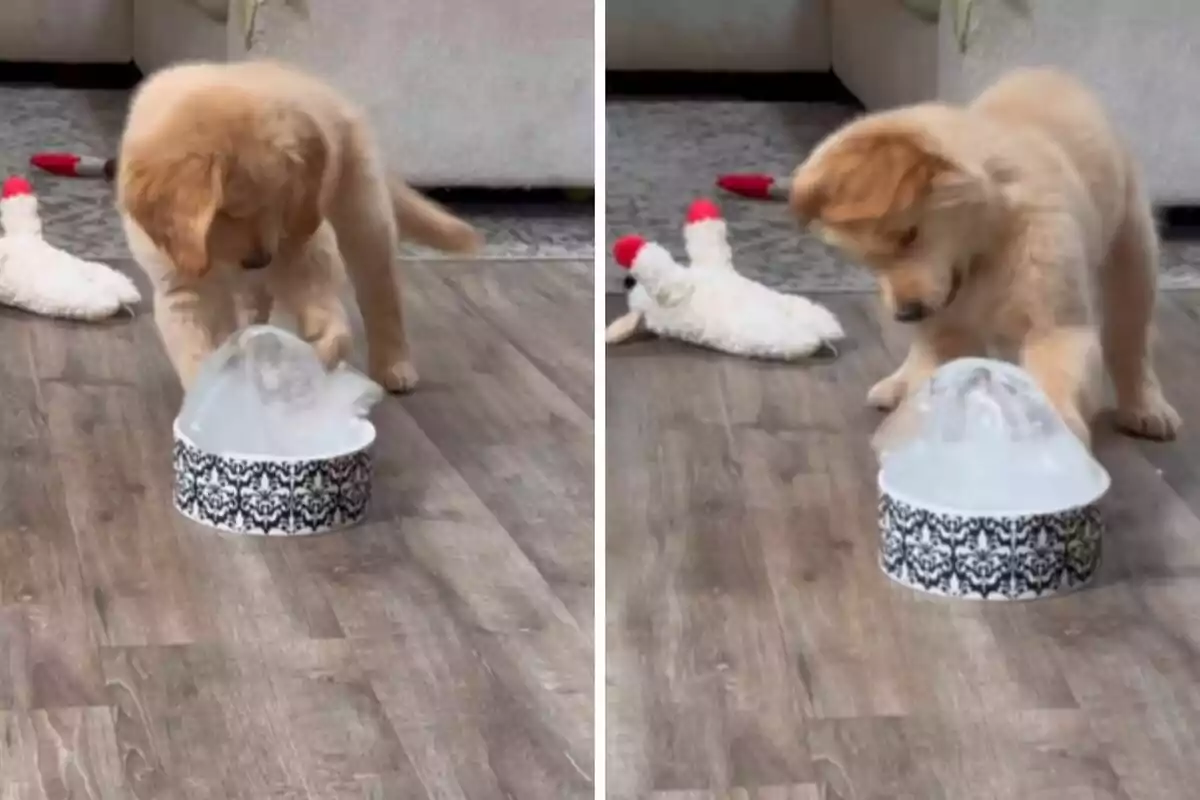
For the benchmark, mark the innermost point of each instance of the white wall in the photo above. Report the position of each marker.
(718, 35)
(166, 31)
(66, 31)
(885, 55)
(485, 92)
(1141, 58)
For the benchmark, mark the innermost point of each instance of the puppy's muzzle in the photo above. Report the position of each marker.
(912, 312)
(258, 260)
(916, 311)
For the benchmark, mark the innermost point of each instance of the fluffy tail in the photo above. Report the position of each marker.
(425, 222)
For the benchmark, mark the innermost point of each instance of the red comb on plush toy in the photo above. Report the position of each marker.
(626, 250)
(702, 210)
(15, 187)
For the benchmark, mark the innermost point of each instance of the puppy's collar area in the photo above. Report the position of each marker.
(256, 262)
(956, 280)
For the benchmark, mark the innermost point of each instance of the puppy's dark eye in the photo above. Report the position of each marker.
(907, 237)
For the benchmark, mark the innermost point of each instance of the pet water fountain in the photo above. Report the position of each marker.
(268, 442)
(984, 491)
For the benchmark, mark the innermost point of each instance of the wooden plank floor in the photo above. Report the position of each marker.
(756, 652)
(443, 650)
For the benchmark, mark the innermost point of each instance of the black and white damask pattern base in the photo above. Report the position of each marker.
(271, 498)
(1015, 558)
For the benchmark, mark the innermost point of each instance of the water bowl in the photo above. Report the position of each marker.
(270, 443)
(984, 492)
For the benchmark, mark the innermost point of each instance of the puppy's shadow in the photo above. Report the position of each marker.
(1138, 546)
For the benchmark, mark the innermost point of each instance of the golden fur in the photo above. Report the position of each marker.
(243, 184)
(1016, 225)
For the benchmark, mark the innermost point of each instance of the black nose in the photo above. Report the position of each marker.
(256, 261)
(630, 282)
(911, 312)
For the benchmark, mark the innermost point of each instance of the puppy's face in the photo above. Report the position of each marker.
(908, 213)
(225, 179)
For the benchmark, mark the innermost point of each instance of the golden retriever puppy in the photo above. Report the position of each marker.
(1016, 225)
(242, 184)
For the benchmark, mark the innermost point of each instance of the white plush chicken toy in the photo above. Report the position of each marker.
(709, 303)
(38, 277)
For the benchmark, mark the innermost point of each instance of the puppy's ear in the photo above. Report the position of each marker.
(956, 188)
(306, 160)
(174, 200)
(996, 183)
(866, 177)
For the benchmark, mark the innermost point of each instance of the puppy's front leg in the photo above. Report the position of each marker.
(191, 323)
(307, 285)
(365, 222)
(1064, 361)
(932, 346)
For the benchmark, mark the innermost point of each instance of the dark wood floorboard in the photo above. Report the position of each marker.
(756, 652)
(441, 650)
(521, 442)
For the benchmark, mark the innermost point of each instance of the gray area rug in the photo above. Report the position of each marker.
(78, 214)
(662, 155)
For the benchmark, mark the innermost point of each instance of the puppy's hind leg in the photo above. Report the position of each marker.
(362, 215)
(1128, 280)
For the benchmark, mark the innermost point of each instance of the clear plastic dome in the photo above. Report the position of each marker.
(265, 393)
(981, 437)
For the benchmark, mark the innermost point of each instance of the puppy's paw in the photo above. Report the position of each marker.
(333, 346)
(463, 239)
(399, 376)
(1153, 418)
(888, 393)
(253, 307)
